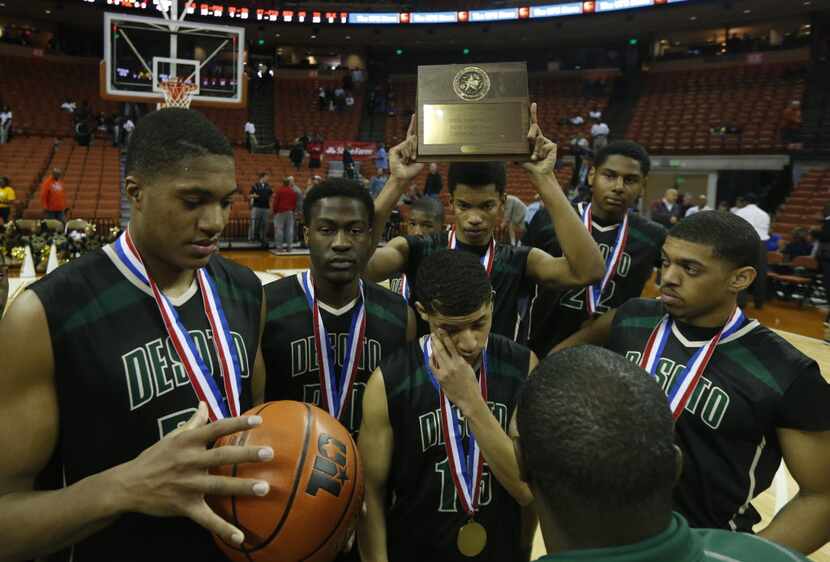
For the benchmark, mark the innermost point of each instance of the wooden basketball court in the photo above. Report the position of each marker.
(800, 326)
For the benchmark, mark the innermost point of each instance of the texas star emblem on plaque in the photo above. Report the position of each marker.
(471, 83)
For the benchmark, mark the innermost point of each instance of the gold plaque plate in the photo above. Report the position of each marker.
(473, 112)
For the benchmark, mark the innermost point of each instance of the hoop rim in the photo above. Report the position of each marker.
(177, 92)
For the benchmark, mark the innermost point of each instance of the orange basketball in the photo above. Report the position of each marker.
(316, 487)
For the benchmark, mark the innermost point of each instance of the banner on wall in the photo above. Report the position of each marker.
(333, 150)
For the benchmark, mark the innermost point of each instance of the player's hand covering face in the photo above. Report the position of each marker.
(453, 371)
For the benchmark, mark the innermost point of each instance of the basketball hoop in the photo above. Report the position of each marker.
(177, 93)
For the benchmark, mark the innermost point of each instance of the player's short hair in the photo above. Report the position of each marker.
(731, 237)
(338, 187)
(167, 136)
(596, 437)
(430, 206)
(627, 148)
(452, 283)
(477, 174)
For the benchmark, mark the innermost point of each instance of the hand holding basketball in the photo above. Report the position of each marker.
(171, 479)
(543, 150)
(453, 373)
(402, 165)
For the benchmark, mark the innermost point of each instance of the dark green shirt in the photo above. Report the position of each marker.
(679, 543)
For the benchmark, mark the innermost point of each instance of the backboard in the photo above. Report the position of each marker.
(141, 52)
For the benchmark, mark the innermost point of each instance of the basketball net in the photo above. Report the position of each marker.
(177, 93)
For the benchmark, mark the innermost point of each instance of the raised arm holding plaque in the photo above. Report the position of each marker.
(473, 112)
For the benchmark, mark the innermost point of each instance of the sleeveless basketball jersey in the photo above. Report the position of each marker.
(509, 279)
(555, 315)
(425, 515)
(121, 386)
(288, 345)
(754, 383)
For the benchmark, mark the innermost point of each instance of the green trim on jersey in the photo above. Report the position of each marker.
(643, 237)
(507, 370)
(379, 312)
(649, 322)
(237, 293)
(118, 297)
(746, 359)
(289, 307)
(420, 377)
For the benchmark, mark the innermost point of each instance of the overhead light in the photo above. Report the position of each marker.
(348, 37)
(747, 11)
(693, 18)
(313, 36)
(276, 35)
(48, 12)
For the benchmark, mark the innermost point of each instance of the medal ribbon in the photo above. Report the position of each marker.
(685, 383)
(486, 260)
(404, 288)
(193, 363)
(612, 261)
(466, 468)
(336, 387)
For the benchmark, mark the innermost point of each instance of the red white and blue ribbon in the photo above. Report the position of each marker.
(336, 387)
(404, 288)
(465, 466)
(201, 379)
(612, 260)
(486, 260)
(686, 381)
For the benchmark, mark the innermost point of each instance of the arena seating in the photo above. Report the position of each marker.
(92, 182)
(804, 206)
(23, 161)
(35, 87)
(296, 110)
(678, 109)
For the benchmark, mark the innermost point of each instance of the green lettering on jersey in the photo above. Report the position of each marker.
(139, 381)
(648, 322)
(161, 374)
(640, 236)
(747, 360)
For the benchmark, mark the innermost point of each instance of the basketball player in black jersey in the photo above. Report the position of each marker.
(415, 510)
(95, 384)
(426, 218)
(338, 217)
(617, 178)
(757, 401)
(477, 193)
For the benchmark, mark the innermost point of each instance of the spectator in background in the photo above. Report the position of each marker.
(582, 161)
(349, 101)
(723, 207)
(321, 99)
(283, 205)
(4, 284)
(759, 219)
(823, 257)
(377, 183)
(382, 157)
(434, 183)
(740, 203)
(514, 218)
(260, 200)
(5, 124)
(666, 211)
(69, 106)
(250, 136)
(296, 155)
(7, 198)
(599, 135)
(83, 133)
(348, 163)
(299, 221)
(791, 124)
(533, 208)
(576, 120)
(315, 153)
(304, 140)
(129, 127)
(595, 115)
(53, 196)
(799, 244)
(700, 205)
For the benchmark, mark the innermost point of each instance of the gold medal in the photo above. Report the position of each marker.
(472, 538)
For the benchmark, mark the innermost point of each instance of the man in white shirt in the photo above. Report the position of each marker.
(596, 114)
(759, 220)
(5, 124)
(514, 218)
(576, 120)
(129, 127)
(250, 136)
(700, 206)
(600, 132)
